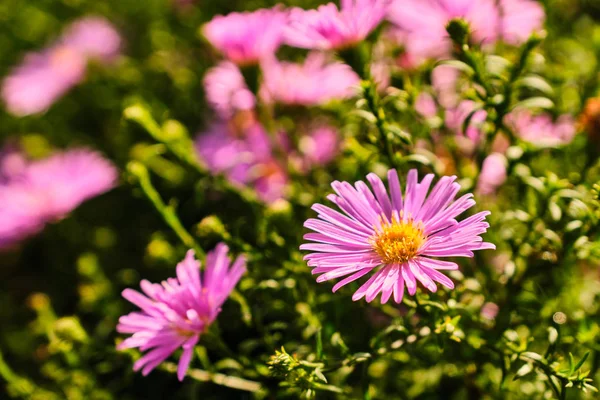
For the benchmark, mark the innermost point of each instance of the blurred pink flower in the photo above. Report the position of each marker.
(226, 90)
(43, 77)
(420, 25)
(320, 146)
(493, 174)
(425, 105)
(312, 83)
(328, 27)
(93, 37)
(175, 313)
(455, 119)
(520, 18)
(12, 163)
(444, 79)
(541, 130)
(248, 37)
(244, 157)
(489, 311)
(47, 190)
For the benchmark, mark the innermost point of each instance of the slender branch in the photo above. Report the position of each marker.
(140, 172)
(371, 97)
(181, 146)
(229, 381)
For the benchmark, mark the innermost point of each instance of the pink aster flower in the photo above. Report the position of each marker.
(175, 313)
(93, 37)
(226, 90)
(425, 105)
(330, 28)
(398, 239)
(320, 146)
(313, 83)
(421, 24)
(43, 77)
(248, 37)
(455, 119)
(244, 157)
(520, 18)
(493, 174)
(46, 191)
(46, 76)
(540, 129)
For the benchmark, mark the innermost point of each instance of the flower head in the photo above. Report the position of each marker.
(244, 156)
(541, 130)
(395, 236)
(420, 25)
(178, 311)
(456, 118)
(41, 79)
(330, 28)
(320, 146)
(45, 76)
(313, 83)
(226, 90)
(493, 174)
(46, 191)
(93, 37)
(248, 37)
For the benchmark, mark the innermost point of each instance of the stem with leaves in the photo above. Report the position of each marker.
(140, 173)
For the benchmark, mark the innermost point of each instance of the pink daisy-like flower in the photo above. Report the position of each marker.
(226, 90)
(313, 83)
(399, 238)
(175, 313)
(248, 37)
(330, 28)
(42, 78)
(244, 157)
(421, 24)
(46, 76)
(46, 191)
(520, 18)
(541, 130)
(94, 37)
(455, 119)
(493, 174)
(320, 146)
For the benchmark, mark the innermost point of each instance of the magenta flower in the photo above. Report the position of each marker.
(244, 157)
(45, 191)
(93, 37)
(394, 237)
(520, 18)
(425, 105)
(455, 119)
(421, 24)
(330, 28)
(226, 90)
(43, 77)
(46, 76)
(178, 311)
(493, 174)
(313, 83)
(541, 130)
(246, 38)
(320, 146)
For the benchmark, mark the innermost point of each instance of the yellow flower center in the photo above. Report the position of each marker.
(398, 241)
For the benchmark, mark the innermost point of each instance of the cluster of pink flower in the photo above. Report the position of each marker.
(45, 76)
(34, 193)
(540, 130)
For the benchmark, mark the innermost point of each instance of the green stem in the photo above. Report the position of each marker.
(371, 97)
(181, 146)
(140, 172)
(219, 379)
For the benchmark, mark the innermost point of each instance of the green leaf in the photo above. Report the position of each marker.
(459, 65)
(536, 83)
(580, 363)
(536, 102)
(524, 370)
